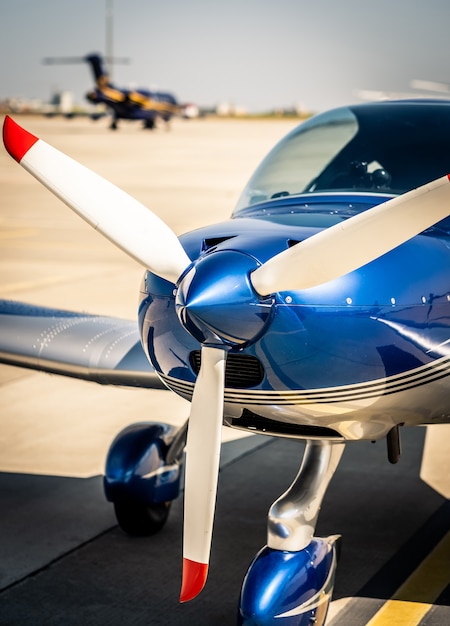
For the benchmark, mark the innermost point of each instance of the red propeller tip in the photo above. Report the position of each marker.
(194, 579)
(17, 140)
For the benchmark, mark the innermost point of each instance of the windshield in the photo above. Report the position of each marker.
(387, 147)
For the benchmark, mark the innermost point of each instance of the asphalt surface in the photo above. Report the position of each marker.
(63, 560)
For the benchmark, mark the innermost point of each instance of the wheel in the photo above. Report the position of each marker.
(141, 520)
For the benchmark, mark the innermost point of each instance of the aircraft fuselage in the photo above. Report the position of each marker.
(348, 359)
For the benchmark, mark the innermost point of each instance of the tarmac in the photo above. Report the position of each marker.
(63, 560)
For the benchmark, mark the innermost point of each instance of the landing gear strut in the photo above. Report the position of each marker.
(293, 576)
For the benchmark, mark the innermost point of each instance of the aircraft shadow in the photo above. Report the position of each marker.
(68, 563)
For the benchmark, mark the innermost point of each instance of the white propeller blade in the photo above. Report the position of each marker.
(118, 216)
(202, 469)
(350, 244)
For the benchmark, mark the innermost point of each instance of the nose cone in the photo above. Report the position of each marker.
(216, 302)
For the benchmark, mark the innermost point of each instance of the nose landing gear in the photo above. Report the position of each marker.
(293, 576)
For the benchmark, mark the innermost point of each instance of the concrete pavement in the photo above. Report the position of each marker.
(62, 558)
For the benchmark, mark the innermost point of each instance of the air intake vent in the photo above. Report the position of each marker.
(212, 242)
(242, 370)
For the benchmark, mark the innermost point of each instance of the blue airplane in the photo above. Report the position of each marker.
(125, 104)
(320, 311)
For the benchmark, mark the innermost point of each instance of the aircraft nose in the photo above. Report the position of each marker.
(216, 303)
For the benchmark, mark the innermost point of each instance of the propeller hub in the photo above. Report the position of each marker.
(216, 302)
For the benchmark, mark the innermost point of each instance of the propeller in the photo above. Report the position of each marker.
(143, 236)
(208, 315)
(77, 60)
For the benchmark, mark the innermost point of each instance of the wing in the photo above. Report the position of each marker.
(106, 350)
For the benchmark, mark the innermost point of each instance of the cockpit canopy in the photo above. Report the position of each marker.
(384, 147)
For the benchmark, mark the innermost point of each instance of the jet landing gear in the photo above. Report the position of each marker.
(142, 475)
(293, 576)
(149, 124)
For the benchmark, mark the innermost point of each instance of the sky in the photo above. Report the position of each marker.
(258, 54)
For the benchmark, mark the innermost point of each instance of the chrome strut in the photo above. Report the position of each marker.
(292, 518)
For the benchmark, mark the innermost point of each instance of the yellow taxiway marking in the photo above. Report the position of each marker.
(415, 597)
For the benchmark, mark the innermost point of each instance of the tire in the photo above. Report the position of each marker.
(141, 520)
